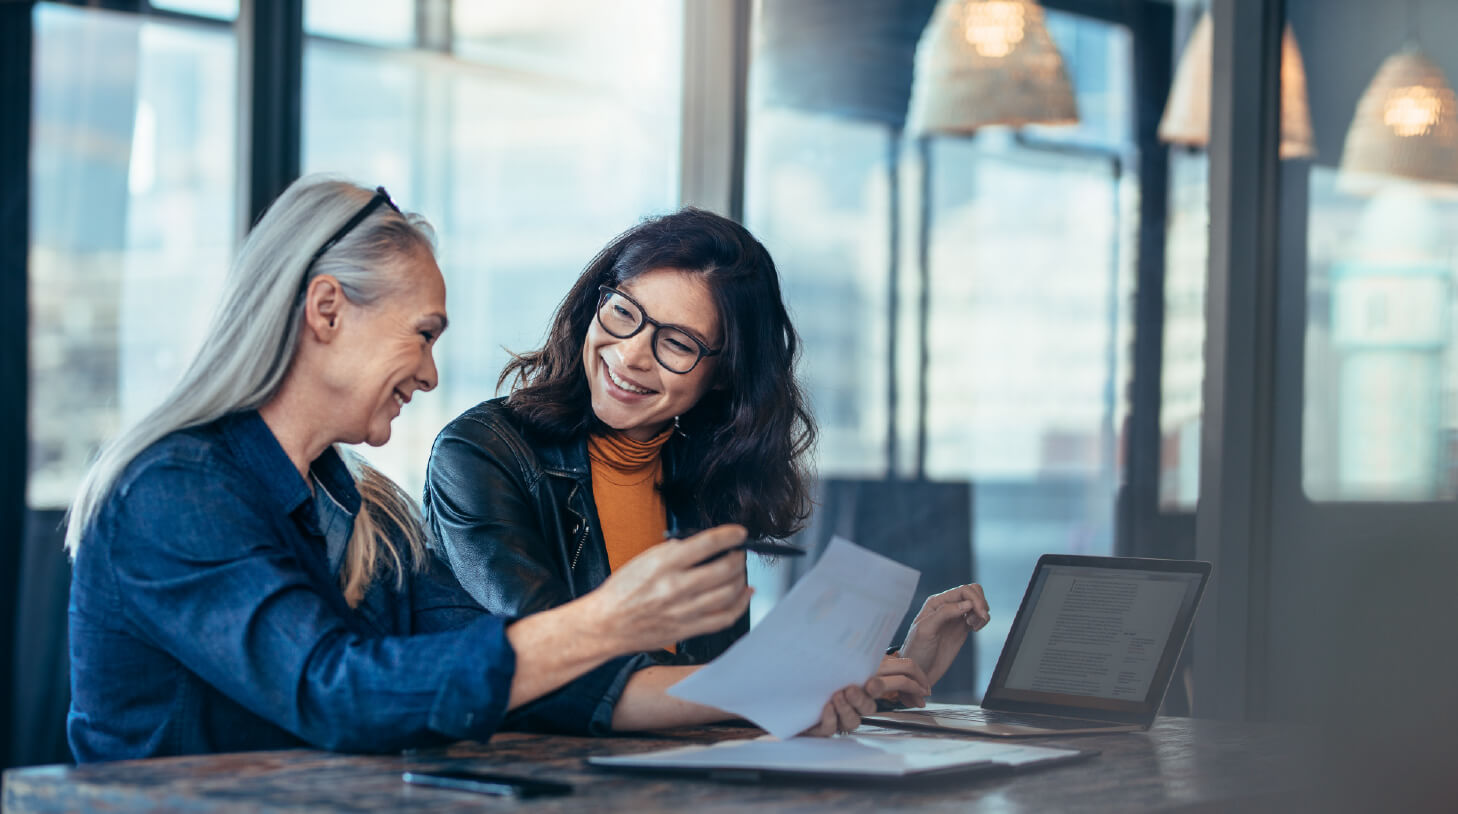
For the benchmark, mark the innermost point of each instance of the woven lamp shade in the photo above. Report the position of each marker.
(1404, 125)
(1186, 118)
(985, 62)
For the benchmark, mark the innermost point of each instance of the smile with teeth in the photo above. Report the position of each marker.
(631, 388)
(399, 399)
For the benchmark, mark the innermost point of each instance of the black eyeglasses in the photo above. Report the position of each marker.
(380, 197)
(675, 348)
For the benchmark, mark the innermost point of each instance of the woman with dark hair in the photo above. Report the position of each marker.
(664, 399)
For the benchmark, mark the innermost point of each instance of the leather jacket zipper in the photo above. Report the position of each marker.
(581, 541)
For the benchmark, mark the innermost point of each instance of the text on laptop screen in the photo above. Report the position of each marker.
(1097, 632)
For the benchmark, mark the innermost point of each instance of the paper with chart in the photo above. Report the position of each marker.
(830, 631)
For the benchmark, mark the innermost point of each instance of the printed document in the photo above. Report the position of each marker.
(830, 631)
(851, 755)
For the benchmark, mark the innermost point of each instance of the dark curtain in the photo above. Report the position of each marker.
(42, 682)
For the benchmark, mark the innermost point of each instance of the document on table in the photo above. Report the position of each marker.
(851, 755)
(830, 631)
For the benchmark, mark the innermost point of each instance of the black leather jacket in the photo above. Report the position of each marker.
(513, 514)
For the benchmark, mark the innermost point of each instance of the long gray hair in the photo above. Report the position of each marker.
(251, 343)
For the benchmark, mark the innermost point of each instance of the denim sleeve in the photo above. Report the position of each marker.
(584, 707)
(437, 600)
(204, 576)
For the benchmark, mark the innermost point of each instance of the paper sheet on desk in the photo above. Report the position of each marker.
(852, 755)
(830, 631)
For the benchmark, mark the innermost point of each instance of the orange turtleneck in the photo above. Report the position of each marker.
(625, 478)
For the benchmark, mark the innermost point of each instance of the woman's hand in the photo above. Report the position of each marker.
(669, 592)
(903, 681)
(938, 631)
(842, 713)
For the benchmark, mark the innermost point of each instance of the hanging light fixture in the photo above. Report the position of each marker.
(983, 62)
(1186, 118)
(1404, 125)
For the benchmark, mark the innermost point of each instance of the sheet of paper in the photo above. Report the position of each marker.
(829, 631)
(860, 755)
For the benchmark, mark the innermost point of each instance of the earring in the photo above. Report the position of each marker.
(678, 428)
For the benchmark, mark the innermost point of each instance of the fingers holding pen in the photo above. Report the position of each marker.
(664, 595)
(903, 680)
(729, 601)
(710, 543)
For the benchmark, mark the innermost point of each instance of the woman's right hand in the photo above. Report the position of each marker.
(842, 713)
(669, 593)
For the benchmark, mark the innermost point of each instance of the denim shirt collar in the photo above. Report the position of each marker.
(255, 445)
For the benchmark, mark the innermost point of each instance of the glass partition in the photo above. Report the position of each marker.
(528, 149)
(1027, 324)
(133, 191)
(1381, 247)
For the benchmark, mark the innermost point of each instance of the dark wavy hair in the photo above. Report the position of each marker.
(741, 454)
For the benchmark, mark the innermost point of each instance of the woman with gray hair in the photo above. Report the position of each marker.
(240, 582)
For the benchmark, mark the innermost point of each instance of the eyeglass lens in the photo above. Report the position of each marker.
(673, 348)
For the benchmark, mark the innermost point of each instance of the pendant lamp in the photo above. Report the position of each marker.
(983, 62)
(1186, 118)
(1404, 125)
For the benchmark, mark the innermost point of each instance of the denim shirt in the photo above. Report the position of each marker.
(206, 616)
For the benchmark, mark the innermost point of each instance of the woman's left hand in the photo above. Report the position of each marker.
(938, 631)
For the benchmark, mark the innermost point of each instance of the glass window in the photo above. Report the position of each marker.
(1030, 326)
(1185, 122)
(1187, 259)
(528, 151)
(818, 197)
(1029, 323)
(380, 22)
(133, 191)
(218, 9)
(1381, 353)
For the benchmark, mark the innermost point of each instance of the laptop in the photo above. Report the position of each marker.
(1092, 649)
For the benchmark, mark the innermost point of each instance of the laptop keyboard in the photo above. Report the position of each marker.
(992, 716)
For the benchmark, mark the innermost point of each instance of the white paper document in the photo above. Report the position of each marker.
(830, 631)
(851, 755)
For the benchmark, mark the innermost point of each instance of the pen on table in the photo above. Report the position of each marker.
(758, 546)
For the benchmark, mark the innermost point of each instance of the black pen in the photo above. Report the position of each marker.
(758, 546)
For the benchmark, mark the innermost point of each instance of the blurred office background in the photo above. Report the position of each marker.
(1138, 277)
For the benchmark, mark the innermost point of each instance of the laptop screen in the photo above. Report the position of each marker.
(1097, 635)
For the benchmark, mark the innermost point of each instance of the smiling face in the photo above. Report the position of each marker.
(384, 352)
(631, 391)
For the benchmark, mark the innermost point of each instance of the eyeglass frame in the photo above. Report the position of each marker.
(380, 197)
(604, 291)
